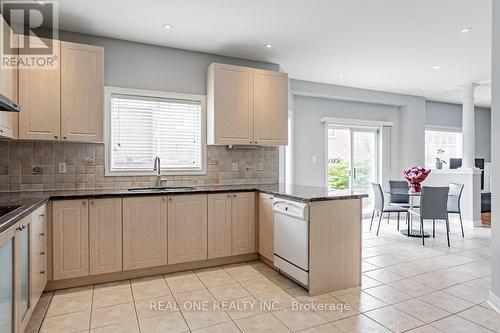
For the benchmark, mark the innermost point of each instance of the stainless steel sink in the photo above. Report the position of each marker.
(162, 189)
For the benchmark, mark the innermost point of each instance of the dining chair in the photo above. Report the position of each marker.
(380, 208)
(401, 200)
(454, 202)
(433, 206)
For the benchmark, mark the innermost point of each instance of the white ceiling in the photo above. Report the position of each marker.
(388, 45)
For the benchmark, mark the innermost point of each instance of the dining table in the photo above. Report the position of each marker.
(412, 196)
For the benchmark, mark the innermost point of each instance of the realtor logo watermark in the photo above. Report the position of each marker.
(30, 37)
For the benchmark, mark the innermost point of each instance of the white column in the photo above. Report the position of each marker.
(468, 135)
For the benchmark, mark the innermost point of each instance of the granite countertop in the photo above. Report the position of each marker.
(29, 201)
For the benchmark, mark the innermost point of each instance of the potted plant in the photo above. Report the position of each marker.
(415, 176)
(439, 160)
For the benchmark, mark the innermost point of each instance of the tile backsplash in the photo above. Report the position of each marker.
(33, 166)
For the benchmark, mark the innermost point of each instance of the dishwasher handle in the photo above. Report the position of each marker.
(290, 208)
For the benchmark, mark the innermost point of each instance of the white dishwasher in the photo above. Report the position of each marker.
(291, 239)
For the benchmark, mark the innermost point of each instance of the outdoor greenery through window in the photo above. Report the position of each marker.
(443, 145)
(143, 127)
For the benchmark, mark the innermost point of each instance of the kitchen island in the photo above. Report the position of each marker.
(334, 230)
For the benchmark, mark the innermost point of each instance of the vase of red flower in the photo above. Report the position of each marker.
(415, 176)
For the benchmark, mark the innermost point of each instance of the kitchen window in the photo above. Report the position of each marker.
(443, 144)
(142, 125)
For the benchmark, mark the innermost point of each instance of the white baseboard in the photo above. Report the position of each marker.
(494, 302)
(472, 223)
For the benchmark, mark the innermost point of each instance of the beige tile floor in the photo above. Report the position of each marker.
(405, 288)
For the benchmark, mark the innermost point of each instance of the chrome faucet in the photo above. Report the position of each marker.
(157, 168)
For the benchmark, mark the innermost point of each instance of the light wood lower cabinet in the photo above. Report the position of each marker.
(243, 223)
(70, 238)
(219, 225)
(266, 226)
(38, 239)
(105, 235)
(187, 228)
(144, 232)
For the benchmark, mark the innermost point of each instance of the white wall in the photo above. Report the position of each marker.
(495, 159)
(312, 101)
(144, 66)
(446, 114)
(309, 132)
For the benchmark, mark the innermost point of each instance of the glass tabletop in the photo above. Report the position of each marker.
(403, 192)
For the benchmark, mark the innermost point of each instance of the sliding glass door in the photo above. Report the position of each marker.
(352, 159)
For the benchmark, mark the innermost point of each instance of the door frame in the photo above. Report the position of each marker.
(353, 128)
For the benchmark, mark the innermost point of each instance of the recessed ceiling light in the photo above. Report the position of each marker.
(269, 46)
(436, 67)
(167, 26)
(466, 30)
(424, 88)
(341, 74)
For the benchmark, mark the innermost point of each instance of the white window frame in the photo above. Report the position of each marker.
(440, 128)
(110, 90)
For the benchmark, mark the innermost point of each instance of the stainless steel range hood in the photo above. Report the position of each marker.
(7, 105)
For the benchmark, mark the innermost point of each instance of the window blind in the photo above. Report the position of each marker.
(145, 127)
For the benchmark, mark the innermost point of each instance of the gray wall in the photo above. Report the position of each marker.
(309, 132)
(144, 66)
(446, 114)
(495, 165)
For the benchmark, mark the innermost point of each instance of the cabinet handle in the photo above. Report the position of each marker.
(21, 227)
(234, 195)
(84, 203)
(91, 202)
(42, 234)
(41, 215)
(64, 137)
(271, 198)
(42, 272)
(229, 195)
(42, 253)
(256, 142)
(251, 141)
(169, 199)
(162, 199)
(55, 136)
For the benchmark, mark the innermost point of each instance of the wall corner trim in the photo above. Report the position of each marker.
(494, 301)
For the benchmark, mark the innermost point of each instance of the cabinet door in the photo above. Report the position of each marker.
(38, 237)
(243, 223)
(82, 89)
(230, 109)
(8, 88)
(219, 225)
(266, 226)
(40, 100)
(144, 232)
(70, 238)
(187, 228)
(7, 283)
(270, 108)
(105, 235)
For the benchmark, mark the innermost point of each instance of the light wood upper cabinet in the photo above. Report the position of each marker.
(82, 91)
(70, 238)
(246, 106)
(144, 232)
(105, 235)
(8, 88)
(270, 100)
(38, 252)
(230, 109)
(243, 223)
(39, 97)
(187, 228)
(219, 225)
(266, 226)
